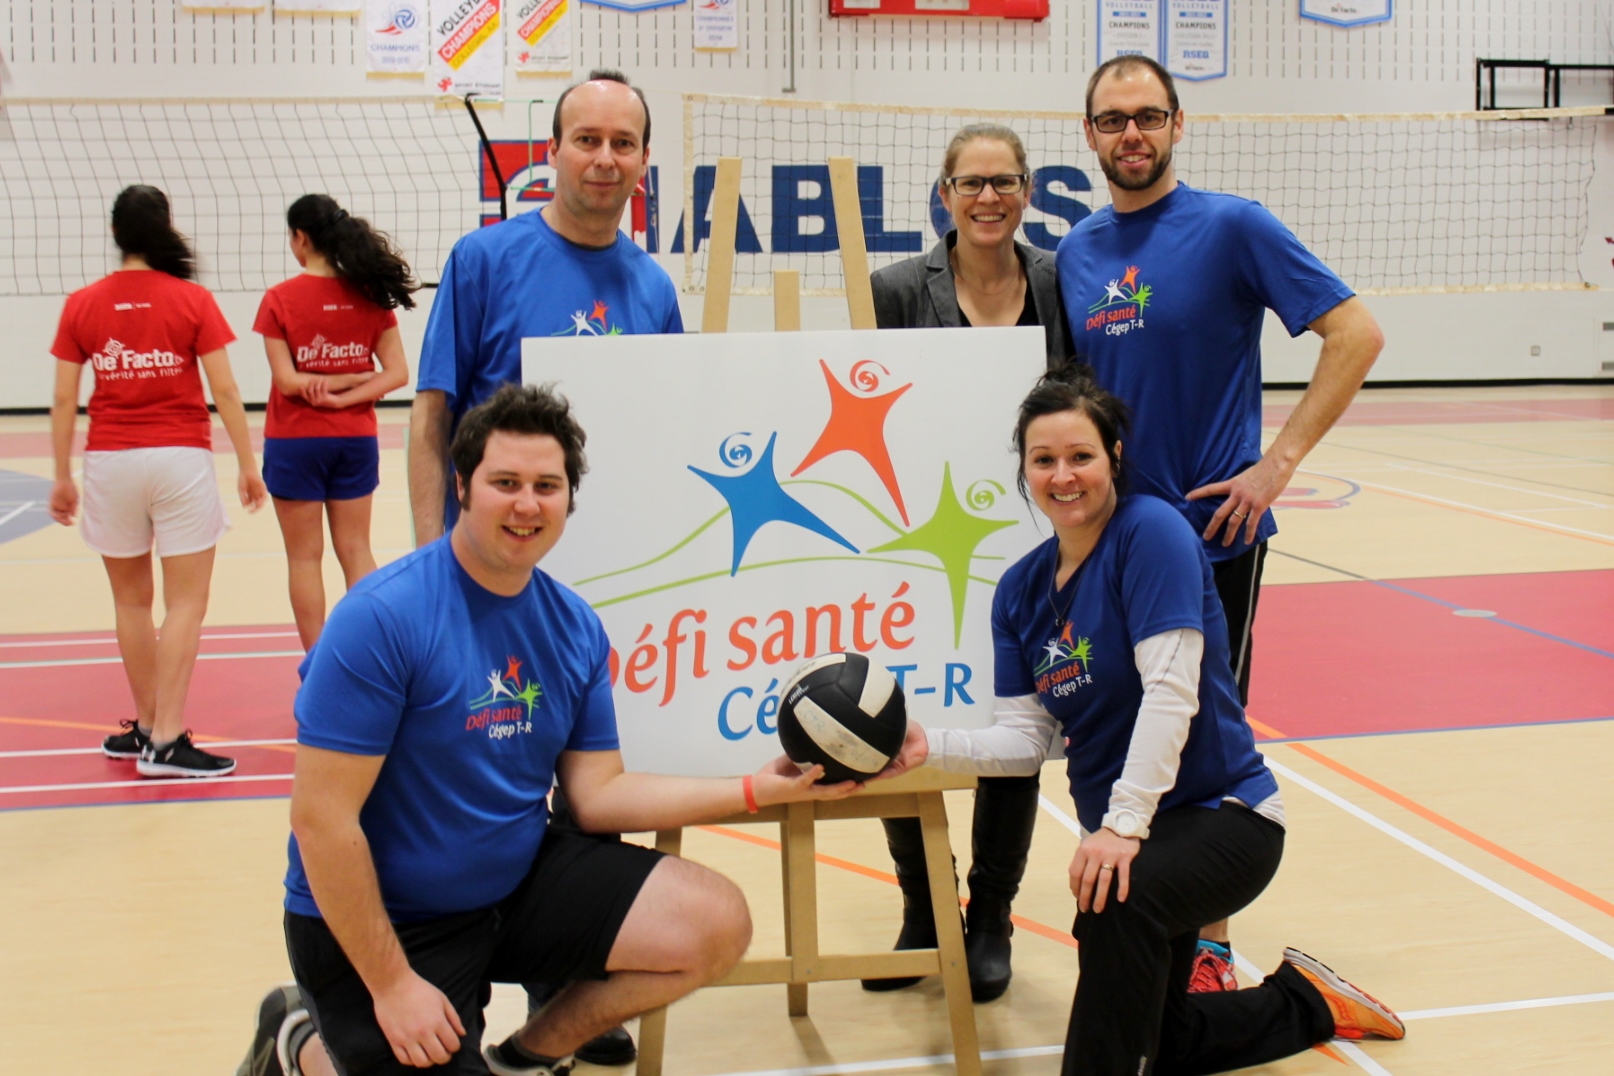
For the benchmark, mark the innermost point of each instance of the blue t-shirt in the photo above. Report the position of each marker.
(519, 279)
(471, 696)
(1167, 304)
(1147, 575)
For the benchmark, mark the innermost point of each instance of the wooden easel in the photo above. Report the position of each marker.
(917, 793)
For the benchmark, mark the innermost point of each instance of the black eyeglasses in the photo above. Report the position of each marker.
(1148, 119)
(970, 186)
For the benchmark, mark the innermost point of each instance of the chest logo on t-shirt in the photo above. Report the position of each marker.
(590, 324)
(1120, 310)
(505, 709)
(117, 361)
(1064, 665)
(320, 353)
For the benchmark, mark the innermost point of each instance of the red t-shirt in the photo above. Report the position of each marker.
(142, 330)
(331, 328)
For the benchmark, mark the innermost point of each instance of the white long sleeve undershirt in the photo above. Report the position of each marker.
(1024, 733)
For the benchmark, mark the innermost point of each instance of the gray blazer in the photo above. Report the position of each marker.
(919, 294)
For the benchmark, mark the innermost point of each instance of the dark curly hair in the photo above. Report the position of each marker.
(357, 252)
(524, 409)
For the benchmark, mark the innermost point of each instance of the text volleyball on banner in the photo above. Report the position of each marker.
(395, 36)
(467, 47)
(754, 500)
(543, 40)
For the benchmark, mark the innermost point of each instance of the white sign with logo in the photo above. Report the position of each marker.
(318, 7)
(467, 47)
(755, 500)
(717, 25)
(395, 36)
(1128, 29)
(1196, 39)
(1346, 12)
(228, 7)
(634, 5)
(543, 38)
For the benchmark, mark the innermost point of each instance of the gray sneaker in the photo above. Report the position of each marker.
(283, 1027)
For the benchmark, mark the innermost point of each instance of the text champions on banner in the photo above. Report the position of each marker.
(1128, 28)
(756, 500)
(1196, 39)
(467, 47)
(543, 36)
(395, 36)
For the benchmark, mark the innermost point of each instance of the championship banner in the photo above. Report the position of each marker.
(543, 36)
(1196, 39)
(318, 7)
(1347, 12)
(395, 37)
(467, 47)
(1128, 28)
(225, 7)
(756, 500)
(717, 25)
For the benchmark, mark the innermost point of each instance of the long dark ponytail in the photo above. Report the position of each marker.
(357, 252)
(143, 228)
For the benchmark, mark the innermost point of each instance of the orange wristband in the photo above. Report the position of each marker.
(750, 794)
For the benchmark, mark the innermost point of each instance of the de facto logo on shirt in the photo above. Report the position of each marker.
(506, 708)
(321, 354)
(1063, 668)
(116, 361)
(1121, 309)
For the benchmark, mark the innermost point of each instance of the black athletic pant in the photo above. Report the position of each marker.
(1133, 1014)
(1238, 582)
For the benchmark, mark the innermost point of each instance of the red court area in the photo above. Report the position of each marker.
(1331, 659)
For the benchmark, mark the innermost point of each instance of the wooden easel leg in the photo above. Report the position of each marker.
(801, 903)
(652, 1041)
(949, 933)
(795, 993)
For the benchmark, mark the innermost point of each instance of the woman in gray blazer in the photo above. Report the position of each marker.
(976, 275)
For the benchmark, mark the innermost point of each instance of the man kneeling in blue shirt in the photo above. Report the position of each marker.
(449, 690)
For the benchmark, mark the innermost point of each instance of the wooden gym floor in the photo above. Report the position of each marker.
(1433, 683)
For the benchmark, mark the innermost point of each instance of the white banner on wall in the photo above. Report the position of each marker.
(1196, 39)
(543, 39)
(634, 5)
(467, 47)
(231, 7)
(717, 25)
(755, 500)
(1128, 29)
(318, 7)
(1346, 12)
(395, 36)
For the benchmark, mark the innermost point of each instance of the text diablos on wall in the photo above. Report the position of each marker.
(754, 500)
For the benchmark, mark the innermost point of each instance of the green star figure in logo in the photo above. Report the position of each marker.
(951, 535)
(529, 695)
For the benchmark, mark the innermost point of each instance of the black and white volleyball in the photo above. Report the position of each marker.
(844, 713)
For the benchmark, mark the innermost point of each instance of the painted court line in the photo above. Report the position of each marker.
(112, 640)
(62, 751)
(1498, 485)
(1490, 513)
(1063, 819)
(147, 782)
(118, 661)
(1563, 926)
(15, 512)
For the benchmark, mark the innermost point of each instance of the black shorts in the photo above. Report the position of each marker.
(558, 925)
(1238, 584)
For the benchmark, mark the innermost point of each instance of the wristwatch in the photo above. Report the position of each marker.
(1126, 824)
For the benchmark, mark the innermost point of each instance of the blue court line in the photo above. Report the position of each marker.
(1450, 605)
(1451, 728)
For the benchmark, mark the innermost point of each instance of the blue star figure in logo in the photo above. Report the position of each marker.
(756, 498)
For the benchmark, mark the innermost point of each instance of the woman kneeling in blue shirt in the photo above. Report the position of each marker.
(1110, 634)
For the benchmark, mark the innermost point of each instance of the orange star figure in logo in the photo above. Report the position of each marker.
(857, 424)
(599, 312)
(513, 668)
(1131, 278)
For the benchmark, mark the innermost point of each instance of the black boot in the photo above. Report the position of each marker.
(906, 842)
(1005, 814)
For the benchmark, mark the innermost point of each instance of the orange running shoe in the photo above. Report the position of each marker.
(1357, 1014)
(1212, 973)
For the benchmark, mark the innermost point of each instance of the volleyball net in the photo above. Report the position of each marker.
(1393, 203)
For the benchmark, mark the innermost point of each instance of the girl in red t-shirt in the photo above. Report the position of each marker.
(324, 331)
(148, 465)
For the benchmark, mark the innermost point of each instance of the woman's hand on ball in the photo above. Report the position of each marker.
(782, 781)
(915, 750)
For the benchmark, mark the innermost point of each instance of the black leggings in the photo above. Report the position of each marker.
(1133, 1014)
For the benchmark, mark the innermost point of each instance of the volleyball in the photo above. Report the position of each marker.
(845, 713)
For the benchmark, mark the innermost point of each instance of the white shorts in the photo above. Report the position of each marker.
(134, 495)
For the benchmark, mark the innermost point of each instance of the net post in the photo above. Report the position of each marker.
(689, 194)
(854, 251)
(720, 246)
(786, 301)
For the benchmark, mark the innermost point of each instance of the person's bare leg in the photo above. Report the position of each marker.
(186, 583)
(1216, 932)
(132, 595)
(302, 526)
(350, 537)
(312, 1059)
(688, 926)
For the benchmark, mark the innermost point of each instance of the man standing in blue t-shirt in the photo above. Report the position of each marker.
(1167, 291)
(447, 693)
(566, 270)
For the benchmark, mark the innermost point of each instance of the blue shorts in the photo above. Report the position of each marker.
(321, 468)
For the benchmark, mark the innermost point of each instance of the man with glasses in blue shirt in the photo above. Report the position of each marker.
(1166, 290)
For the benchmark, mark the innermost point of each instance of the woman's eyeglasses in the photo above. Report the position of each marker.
(970, 186)
(1149, 119)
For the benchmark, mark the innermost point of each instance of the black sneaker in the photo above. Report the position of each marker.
(126, 744)
(181, 759)
(283, 1027)
(506, 1062)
